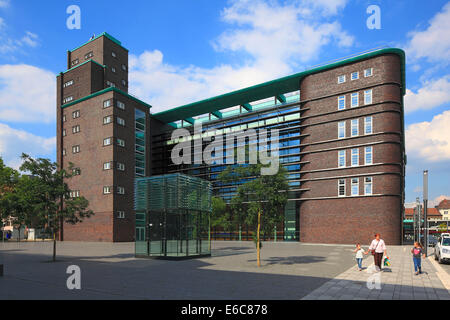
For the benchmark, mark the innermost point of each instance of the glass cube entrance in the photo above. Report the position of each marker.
(172, 216)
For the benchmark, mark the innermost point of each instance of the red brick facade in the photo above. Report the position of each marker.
(88, 79)
(326, 217)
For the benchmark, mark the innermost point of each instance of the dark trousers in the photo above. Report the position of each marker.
(378, 258)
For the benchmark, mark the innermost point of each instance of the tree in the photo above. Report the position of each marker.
(442, 227)
(8, 181)
(49, 198)
(260, 200)
(220, 217)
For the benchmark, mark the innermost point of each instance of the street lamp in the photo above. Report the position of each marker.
(425, 210)
(416, 220)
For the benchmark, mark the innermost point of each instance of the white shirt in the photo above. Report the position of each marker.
(359, 253)
(381, 246)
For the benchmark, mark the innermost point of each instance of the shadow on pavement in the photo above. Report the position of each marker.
(292, 260)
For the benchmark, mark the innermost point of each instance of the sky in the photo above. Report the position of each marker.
(185, 51)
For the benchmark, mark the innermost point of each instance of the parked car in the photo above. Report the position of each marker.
(432, 240)
(442, 249)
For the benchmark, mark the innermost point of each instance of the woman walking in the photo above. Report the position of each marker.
(378, 248)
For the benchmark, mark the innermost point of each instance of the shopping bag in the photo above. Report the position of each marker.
(387, 262)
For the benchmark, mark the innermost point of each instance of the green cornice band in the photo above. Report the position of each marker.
(98, 93)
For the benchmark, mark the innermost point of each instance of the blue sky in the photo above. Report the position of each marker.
(183, 51)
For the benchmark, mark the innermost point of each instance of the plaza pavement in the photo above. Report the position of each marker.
(290, 271)
(397, 282)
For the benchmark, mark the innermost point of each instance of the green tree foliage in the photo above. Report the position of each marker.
(36, 197)
(260, 201)
(220, 216)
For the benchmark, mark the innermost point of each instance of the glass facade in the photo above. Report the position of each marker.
(172, 216)
(140, 127)
(264, 114)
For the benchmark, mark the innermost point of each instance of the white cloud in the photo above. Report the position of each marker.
(14, 142)
(29, 39)
(433, 43)
(272, 47)
(435, 201)
(27, 94)
(429, 142)
(433, 94)
(4, 3)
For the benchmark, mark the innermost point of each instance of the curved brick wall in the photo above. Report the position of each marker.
(324, 216)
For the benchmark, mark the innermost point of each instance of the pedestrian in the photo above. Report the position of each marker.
(359, 255)
(417, 253)
(377, 248)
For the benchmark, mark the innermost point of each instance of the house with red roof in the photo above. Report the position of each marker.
(444, 209)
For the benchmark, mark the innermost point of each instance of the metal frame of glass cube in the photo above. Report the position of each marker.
(172, 216)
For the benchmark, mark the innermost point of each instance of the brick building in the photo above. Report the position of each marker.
(341, 141)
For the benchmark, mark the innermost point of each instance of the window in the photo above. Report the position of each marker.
(120, 166)
(76, 171)
(341, 159)
(113, 69)
(121, 214)
(120, 142)
(107, 141)
(341, 79)
(355, 99)
(76, 149)
(355, 157)
(64, 118)
(368, 125)
(368, 157)
(368, 72)
(68, 99)
(124, 67)
(355, 128)
(355, 76)
(75, 62)
(107, 166)
(120, 121)
(74, 194)
(124, 83)
(76, 114)
(368, 96)
(88, 55)
(110, 84)
(341, 188)
(120, 190)
(64, 152)
(368, 186)
(107, 190)
(76, 129)
(68, 83)
(120, 105)
(341, 130)
(341, 103)
(106, 104)
(107, 119)
(113, 54)
(64, 133)
(355, 186)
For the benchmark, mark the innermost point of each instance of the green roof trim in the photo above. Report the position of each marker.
(102, 92)
(90, 60)
(104, 34)
(267, 89)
